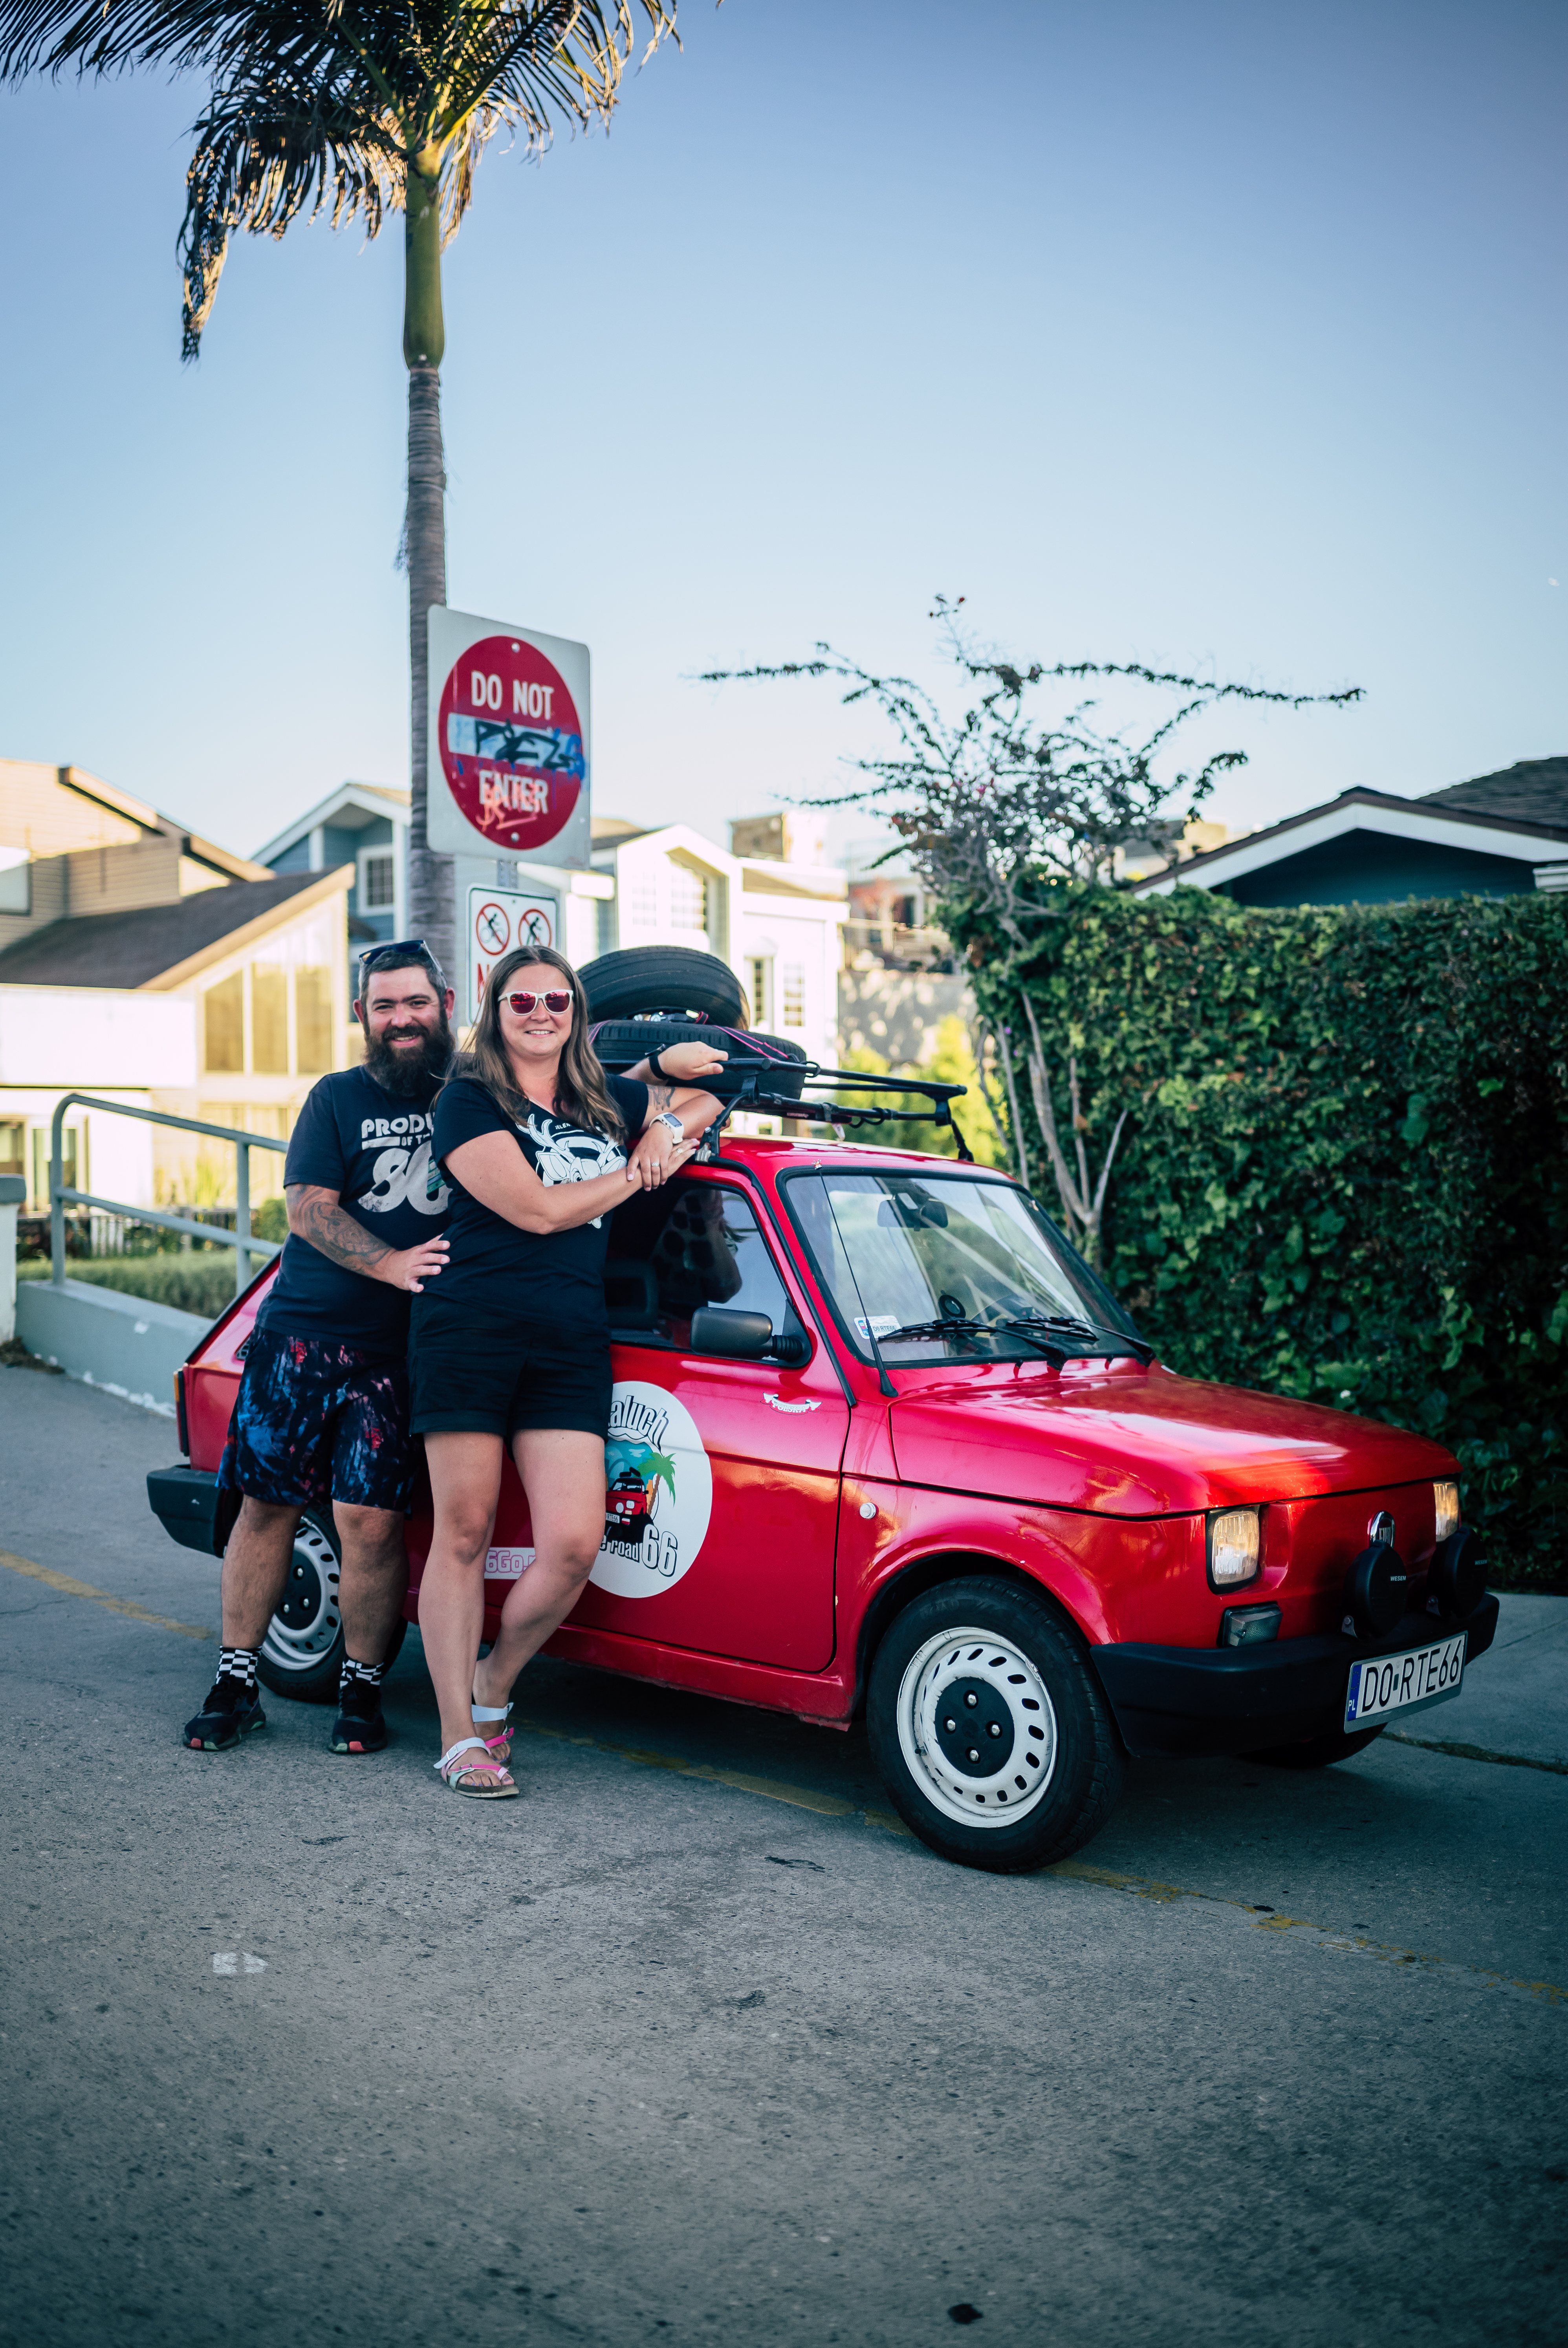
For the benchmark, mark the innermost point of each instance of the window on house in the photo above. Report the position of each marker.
(270, 1019)
(642, 904)
(688, 899)
(313, 1019)
(378, 883)
(223, 1026)
(793, 992)
(73, 1162)
(760, 991)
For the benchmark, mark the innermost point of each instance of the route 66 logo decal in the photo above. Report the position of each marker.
(660, 1493)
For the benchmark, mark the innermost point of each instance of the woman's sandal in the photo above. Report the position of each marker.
(500, 1744)
(453, 1772)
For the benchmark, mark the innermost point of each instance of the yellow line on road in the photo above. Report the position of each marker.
(70, 1589)
(1263, 1918)
(801, 1797)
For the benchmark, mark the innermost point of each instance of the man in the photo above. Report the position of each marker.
(322, 1414)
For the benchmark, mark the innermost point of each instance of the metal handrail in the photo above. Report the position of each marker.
(238, 1238)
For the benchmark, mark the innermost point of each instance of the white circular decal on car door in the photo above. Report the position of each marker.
(659, 1493)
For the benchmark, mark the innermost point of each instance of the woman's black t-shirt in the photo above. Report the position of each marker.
(498, 1272)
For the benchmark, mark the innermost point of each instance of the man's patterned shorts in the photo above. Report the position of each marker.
(314, 1422)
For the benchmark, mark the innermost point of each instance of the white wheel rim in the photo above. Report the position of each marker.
(298, 1639)
(977, 1728)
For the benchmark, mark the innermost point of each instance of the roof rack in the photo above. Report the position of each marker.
(755, 1098)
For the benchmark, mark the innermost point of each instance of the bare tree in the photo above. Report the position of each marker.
(1007, 815)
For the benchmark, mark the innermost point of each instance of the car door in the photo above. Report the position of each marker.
(722, 1474)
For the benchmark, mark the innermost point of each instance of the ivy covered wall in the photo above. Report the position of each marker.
(1345, 1175)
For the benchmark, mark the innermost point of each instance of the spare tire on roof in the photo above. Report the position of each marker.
(621, 1043)
(637, 981)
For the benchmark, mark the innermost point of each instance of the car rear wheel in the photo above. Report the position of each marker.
(1317, 1752)
(989, 1728)
(301, 1654)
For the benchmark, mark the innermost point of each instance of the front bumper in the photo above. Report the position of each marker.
(1188, 1701)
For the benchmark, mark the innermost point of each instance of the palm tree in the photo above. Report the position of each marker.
(355, 108)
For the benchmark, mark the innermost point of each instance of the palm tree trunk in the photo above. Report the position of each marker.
(430, 904)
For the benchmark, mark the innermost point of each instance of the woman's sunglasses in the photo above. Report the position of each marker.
(558, 999)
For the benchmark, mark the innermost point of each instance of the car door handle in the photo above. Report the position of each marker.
(775, 1404)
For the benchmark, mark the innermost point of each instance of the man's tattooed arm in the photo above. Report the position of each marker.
(315, 1215)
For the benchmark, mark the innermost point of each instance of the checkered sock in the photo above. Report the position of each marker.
(237, 1663)
(364, 1674)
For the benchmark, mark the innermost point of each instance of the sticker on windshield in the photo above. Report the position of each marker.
(881, 1325)
(659, 1493)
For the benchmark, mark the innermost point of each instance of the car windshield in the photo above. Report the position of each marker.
(945, 1268)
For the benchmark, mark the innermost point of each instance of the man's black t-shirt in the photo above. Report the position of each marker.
(498, 1271)
(373, 1149)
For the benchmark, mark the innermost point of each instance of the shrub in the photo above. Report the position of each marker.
(200, 1282)
(1344, 1172)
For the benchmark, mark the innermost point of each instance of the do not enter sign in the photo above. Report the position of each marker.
(509, 741)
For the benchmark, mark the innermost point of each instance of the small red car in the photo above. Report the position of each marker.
(890, 1447)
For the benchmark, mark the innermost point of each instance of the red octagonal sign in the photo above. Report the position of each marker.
(511, 743)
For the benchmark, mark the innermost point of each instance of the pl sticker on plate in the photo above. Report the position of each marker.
(659, 1496)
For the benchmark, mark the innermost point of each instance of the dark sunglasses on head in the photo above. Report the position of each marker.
(556, 998)
(398, 953)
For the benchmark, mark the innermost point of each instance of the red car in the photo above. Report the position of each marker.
(908, 1456)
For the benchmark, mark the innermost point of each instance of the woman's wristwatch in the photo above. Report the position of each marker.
(668, 1116)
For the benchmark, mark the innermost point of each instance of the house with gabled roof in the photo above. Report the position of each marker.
(1493, 836)
(142, 963)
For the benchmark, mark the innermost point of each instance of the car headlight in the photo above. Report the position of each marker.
(1235, 1547)
(1447, 1499)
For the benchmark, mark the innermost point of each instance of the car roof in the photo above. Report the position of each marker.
(778, 1153)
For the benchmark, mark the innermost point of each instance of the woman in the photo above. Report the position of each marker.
(513, 1349)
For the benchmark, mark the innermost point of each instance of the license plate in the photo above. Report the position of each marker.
(1405, 1683)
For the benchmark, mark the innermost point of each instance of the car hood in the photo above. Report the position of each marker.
(1131, 1443)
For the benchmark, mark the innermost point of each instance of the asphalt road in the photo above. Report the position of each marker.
(305, 2048)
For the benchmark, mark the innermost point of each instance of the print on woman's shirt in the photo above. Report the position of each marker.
(561, 1152)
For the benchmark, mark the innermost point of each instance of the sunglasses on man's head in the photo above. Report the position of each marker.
(555, 999)
(398, 953)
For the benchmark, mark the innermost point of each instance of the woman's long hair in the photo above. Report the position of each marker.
(582, 1096)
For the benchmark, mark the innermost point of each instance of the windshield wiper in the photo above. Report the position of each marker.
(1139, 1347)
(952, 1325)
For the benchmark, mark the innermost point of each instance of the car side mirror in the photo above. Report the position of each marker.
(738, 1337)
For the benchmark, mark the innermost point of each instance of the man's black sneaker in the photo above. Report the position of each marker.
(359, 1727)
(231, 1711)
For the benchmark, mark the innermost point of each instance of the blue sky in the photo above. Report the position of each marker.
(1212, 336)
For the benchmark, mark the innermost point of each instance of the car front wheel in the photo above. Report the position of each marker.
(989, 1729)
(301, 1654)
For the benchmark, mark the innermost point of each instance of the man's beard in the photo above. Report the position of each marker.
(406, 1073)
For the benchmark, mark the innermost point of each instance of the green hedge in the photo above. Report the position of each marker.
(200, 1284)
(1345, 1174)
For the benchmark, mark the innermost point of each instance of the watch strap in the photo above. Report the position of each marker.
(653, 1064)
(668, 1116)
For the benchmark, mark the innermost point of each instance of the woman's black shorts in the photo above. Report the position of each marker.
(471, 1376)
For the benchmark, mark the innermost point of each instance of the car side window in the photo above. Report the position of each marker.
(674, 1250)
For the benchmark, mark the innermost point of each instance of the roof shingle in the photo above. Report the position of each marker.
(132, 949)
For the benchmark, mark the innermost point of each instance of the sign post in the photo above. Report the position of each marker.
(498, 921)
(510, 751)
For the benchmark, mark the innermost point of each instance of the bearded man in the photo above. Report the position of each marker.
(322, 1415)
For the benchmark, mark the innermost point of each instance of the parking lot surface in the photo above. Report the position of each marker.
(693, 2043)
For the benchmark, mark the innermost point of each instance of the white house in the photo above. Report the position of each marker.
(777, 922)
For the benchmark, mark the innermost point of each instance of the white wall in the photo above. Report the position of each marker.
(70, 1037)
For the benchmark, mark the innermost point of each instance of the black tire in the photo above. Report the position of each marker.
(301, 1654)
(621, 1043)
(1020, 1680)
(1318, 1752)
(636, 981)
